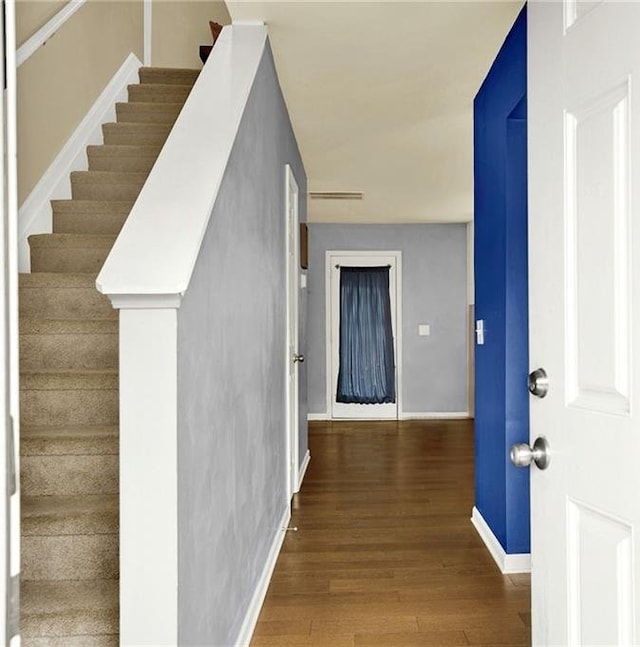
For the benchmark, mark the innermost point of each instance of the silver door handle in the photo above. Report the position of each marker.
(522, 455)
(298, 358)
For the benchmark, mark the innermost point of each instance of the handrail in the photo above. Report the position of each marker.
(31, 45)
(153, 258)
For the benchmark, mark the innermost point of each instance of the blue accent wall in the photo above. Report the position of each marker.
(501, 300)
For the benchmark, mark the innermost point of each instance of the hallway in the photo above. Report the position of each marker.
(385, 553)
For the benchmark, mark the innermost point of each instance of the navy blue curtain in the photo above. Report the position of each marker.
(367, 368)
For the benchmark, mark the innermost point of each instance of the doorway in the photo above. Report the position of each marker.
(335, 260)
(293, 358)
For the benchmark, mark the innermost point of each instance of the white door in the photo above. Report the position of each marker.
(293, 357)
(584, 165)
(336, 260)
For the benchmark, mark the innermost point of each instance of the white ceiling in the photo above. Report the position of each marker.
(380, 95)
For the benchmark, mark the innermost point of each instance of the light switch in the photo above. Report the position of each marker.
(303, 280)
(424, 330)
(480, 332)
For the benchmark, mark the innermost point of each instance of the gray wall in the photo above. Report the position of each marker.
(232, 453)
(434, 275)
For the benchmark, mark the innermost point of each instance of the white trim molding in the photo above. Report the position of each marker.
(433, 415)
(260, 592)
(318, 416)
(507, 563)
(31, 45)
(34, 216)
(303, 469)
(148, 31)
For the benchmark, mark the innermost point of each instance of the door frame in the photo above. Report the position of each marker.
(331, 258)
(9, 371)
(292, 377)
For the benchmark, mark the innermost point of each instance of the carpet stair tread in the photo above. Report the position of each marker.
(68, 326)
(69, 380)
(69, 607)
(71, 240)
(159, 92)
(149, 112)
(168, 75)
(68, 440)
(61, 515)
(135, 133)
(56, 280)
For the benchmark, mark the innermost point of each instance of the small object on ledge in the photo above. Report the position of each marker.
(205, 50)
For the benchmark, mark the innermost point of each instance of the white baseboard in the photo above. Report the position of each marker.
(433, 415)
(318, 416)
(34, 216)
(514, 563)
(257, 600)
(407, 415)
(303, 469)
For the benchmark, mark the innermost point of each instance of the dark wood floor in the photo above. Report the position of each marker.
(385, 553)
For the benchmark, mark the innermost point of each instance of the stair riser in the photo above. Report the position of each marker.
(67, 557)
(68, 475)
(64, 259)
(73, 641)
(144, 113)
(168, 76)
(87, 623)
(98, 517)
(103, 191)
(69, 407)
(65, 303)
(86, 351)
(80, 223)
(121, 164)
(156, 93)
(115, 136)
(55, 445)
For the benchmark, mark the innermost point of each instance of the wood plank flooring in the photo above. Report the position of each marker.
(385, 553)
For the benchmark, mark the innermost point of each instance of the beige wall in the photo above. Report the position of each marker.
(31, 15)
(61, 81)
(179, 27)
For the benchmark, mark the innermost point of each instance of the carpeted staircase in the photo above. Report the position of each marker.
(69, 381)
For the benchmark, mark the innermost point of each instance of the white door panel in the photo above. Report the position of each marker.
(584, 156)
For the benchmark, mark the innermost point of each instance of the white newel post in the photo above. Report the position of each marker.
(148, 471)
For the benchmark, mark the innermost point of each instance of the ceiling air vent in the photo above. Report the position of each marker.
(336, 195)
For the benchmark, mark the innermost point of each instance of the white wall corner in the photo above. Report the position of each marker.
(303, 469)
(507, 563)
(34, 216)
(260, 591)
(470, 273)
(148, 31)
